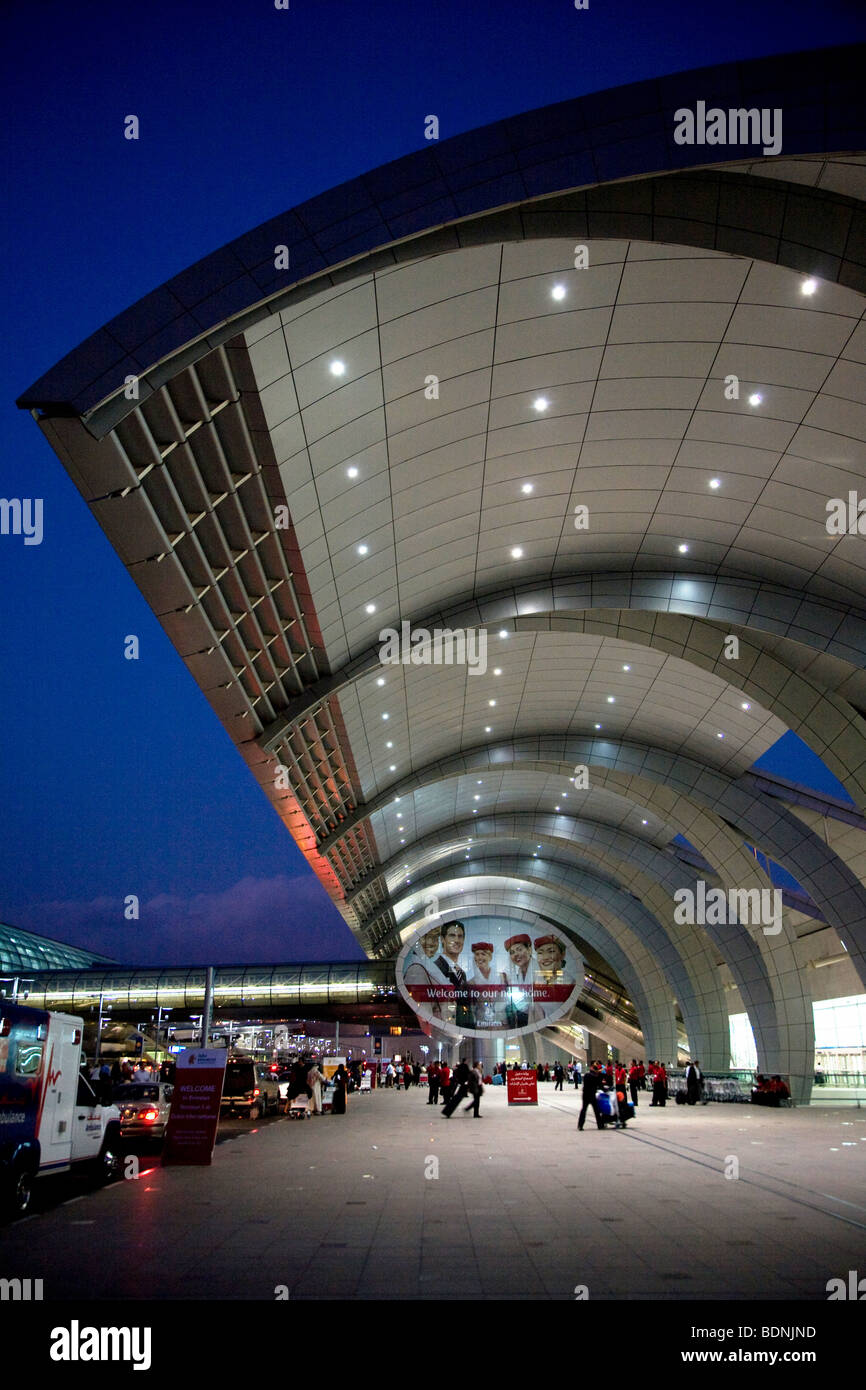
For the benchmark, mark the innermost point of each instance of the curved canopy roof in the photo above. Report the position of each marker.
(584, 393)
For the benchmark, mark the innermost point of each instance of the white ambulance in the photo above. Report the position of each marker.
(50, 1118)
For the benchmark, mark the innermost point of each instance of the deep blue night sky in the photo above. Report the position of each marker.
(115, 776)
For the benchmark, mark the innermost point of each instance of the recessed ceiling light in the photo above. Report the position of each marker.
(558, 292)
(352, 471)
(626, 668)
(402, 842)
(497, 671)
(644, 822)
(476, 797)
(475, 810)
(611, 699)
(389, 744)
(720, 736)
(534, 854)
(556, 808)
(363, 550)
(386, 716)
(683, 549)
(488, 729)
(541, 403)
(528, 487)
(598, 726)
(755, 398)
(338, 368)
(745, 705)
(393, 767)
(380, 680)
(715, 483)
(491, 703)
(480, 782)
(503, 632)
(517, 553)
(369, 607)
(809, 286)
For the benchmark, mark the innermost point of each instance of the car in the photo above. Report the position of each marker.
(144, 1108)
(249, 1088)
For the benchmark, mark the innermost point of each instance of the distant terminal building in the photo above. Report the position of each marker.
(24, 951)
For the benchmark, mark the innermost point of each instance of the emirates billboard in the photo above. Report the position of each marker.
(490, 979)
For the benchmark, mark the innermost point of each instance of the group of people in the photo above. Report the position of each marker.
(407, 1073)
(454, 1086)
(307, 1080)
(521, 989)
(770, 1090)
(104, 1076)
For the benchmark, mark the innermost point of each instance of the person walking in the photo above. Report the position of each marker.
(314, 1082)
(694, 1083)
(341, 1081)
(445, 1079)
(475, 1083)
(459, 1088)
(558, 1075)
(433, 1083)
(592, 1083)
(633, 1081)
(660, 1084)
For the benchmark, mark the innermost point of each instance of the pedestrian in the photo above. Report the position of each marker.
(475, 1083)
(633, 1081)
(433, 1083)
(341, 1079)
(407, 1077)
(390, 1075)
(314, 1082)
(558, 1075)
(592, 1083)
(694, 1083)
(459, 1089)
(445, 1079)
(660, 1084)
(577, 1076)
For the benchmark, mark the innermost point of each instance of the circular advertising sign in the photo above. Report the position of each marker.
(490, 979)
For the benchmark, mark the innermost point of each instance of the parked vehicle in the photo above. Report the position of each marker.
(249, 1089)
(144, 1108)
(50, 1118)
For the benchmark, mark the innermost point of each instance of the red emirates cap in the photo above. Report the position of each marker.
(482, 946)
(523, 940)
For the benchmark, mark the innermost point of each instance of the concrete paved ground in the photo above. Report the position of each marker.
(523, 1207)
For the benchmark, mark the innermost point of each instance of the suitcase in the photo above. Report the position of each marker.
(605, 1107)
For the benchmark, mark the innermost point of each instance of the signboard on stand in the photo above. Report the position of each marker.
(195, 1106)
(522, 1087)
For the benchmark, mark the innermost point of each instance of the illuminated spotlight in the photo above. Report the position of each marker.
(380, 680)
(369, 607)
(540, 403)
(611, 699)
(497, 671)
(755, 398)
(476, 797)
(491, 703)
(556, 808)
(389, 744)
(503, 632)
(488, 729)
(480, 782)
(363, 550)
(352, 471)
(598, 726)
(565, 794)
(683, 549)
(715, 483)
(528, 487)
(626, 668)
(402, 842)
(720, 736)
(386, 716)
(475, 810)
(809, 286)
(338, 368)
(644, 822)
(393, 767)
(517, 552)
(558, 292)
(745, 705)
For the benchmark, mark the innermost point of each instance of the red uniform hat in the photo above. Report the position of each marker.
(522, 939)
(482, 946)
(548, 941)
